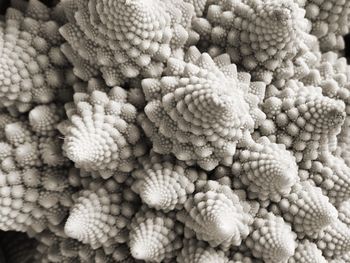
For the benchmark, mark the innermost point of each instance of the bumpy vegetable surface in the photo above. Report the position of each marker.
(187, 131)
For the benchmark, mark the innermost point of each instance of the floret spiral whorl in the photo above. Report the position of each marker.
(201, 109)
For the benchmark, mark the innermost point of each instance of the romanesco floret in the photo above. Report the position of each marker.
(330, 21)
(154, 236)
(34, 188)
(271, 239)
(195, 251)
(100, 214)
(267, 169)
(307, 209)
(164, 183)
(217, 214)
(201, 109)
(126, 38)
(101, 134)
(306, 121)
(334, 241)
(260, 36)
(307, 252)
(55, 246)
(33, 70)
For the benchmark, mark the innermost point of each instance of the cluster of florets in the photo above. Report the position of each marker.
(34, 188)
(304, 120)
(188, 131)
(201, 109)
(263, 37)
(124, 39)
(33, 69)
(330, 21)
